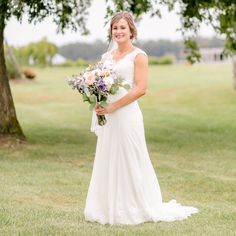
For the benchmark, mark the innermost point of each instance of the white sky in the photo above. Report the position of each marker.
(165, 28)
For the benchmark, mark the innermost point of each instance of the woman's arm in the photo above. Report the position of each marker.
(139, 89)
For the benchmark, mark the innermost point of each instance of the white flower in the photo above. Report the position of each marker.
(109, 80)
(97, 71)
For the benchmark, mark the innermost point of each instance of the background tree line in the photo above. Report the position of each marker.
(42, 52)
(37, 53)
(91, 51)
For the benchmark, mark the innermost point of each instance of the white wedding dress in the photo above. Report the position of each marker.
(124, 188)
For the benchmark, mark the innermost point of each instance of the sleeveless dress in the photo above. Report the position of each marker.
(124, 188)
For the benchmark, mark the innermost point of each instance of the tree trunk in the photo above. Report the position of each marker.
(9, 124)
(234, 70)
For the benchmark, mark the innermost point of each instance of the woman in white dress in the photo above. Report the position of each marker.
(124, 188)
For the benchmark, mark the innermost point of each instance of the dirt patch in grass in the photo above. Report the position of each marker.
(21, 81)
(11, 141)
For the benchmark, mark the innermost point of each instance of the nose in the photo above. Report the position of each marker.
(118, 31)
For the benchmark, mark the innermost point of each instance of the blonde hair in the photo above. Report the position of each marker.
(129, 19)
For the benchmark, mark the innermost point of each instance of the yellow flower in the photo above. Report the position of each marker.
(105, 73)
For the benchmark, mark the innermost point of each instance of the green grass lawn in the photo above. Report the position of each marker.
(190, 124)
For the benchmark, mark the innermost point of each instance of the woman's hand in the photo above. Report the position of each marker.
(104, 110)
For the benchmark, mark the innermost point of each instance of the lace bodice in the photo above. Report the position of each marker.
(124, 67)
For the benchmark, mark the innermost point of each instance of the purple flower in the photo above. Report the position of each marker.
(101, 82)
(102, 87)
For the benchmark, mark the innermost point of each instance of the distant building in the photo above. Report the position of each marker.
(213, 55)
(58, 59)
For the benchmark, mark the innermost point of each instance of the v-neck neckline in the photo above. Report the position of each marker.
(112, 57)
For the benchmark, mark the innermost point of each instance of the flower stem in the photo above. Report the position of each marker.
(101, 120)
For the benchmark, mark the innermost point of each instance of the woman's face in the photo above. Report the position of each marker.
(121, 31)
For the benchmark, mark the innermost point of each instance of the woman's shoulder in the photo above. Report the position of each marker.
(137, 51)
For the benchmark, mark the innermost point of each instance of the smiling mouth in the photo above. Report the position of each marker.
(119, 36)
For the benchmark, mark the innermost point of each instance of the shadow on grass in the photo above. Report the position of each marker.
(56, 136)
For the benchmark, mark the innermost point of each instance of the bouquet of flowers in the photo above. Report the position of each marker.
(95, 83)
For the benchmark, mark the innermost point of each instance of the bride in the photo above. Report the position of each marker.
(124, 188)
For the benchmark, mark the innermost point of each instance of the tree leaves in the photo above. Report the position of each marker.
(192, 50)
(221, 15)
(66, 13)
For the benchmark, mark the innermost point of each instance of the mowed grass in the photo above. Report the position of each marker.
(190, 125)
